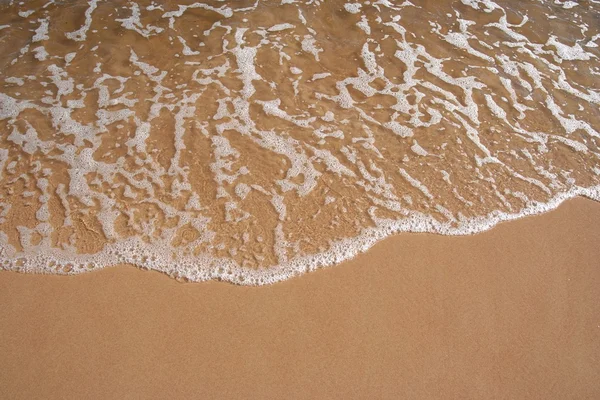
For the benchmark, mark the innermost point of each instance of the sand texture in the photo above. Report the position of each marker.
(508, 313)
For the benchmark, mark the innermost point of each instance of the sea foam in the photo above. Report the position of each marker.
(254, 142)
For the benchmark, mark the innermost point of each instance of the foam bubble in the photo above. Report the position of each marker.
(216, 145)
(353, 8)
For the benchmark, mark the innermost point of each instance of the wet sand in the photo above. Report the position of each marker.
(509, 313)
(213, 139)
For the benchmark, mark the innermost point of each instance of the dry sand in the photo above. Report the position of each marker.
(510, 313)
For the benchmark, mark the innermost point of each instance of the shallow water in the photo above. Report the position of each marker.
(255, 141)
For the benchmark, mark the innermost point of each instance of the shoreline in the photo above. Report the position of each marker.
(341, 251)
(511, 312)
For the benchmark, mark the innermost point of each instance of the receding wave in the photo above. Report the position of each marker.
(252, 141)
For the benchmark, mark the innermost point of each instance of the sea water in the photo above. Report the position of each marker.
(253, 141)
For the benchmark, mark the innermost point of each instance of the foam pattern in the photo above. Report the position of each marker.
(255, 141)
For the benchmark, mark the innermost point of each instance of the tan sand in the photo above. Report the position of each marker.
(119, 143)
(510, 313)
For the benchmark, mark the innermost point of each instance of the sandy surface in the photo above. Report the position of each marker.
(510, 313)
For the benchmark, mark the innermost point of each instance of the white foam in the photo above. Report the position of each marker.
(364, 24)
(25, 14)
(568, 4)
(172, 15)
(353, 8)
(14, 80)
(280, 27)
(309, 46)
(41, 33)
(40, 53)
(567, 52)
(322, 75)
(349, 136)
(81, 34)
(134, 23)
(417, 149)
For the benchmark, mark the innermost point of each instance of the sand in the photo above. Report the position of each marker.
(509, 313)
(280, 130)
(216, 138)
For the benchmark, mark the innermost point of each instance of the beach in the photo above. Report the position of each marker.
(509, 313)
(253, 142)
(299, 199)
